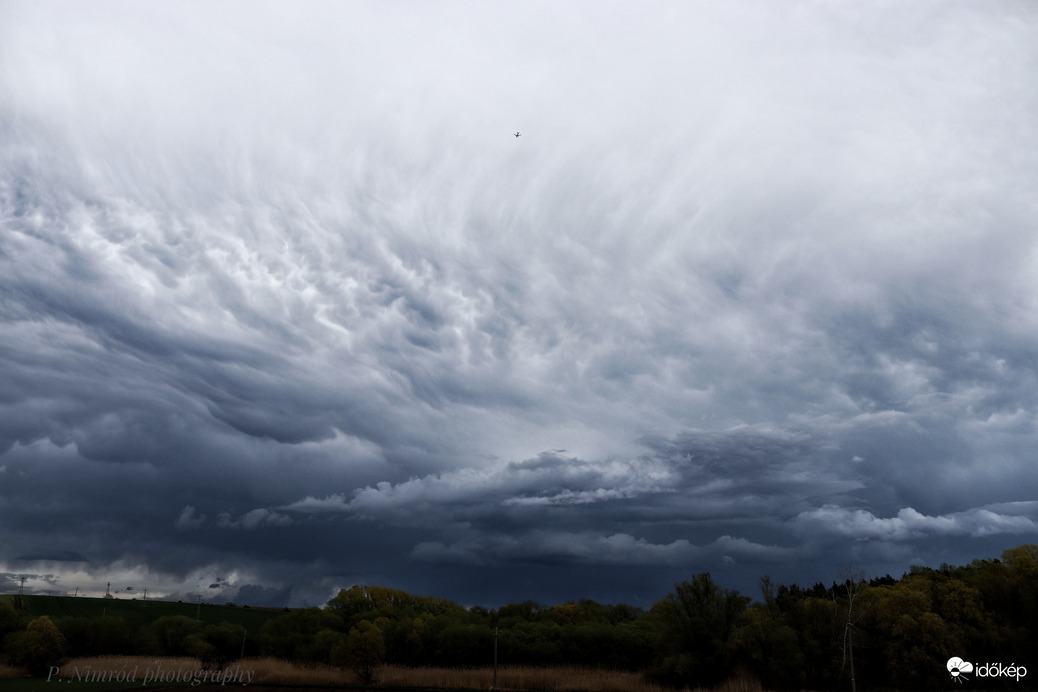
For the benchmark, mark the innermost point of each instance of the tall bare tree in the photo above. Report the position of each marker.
(853, 583)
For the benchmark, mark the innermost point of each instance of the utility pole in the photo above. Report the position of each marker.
(493, 686)
(145, 593)
(198, 613)
(850, 642)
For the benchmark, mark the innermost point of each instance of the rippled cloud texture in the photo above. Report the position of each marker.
(287, 307)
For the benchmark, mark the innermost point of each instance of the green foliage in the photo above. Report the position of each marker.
(696, 623)
(428, 631)
(363, 652)
(527, 611)
(10, 619)
(176, 634)
(220, 644)
(459, 644)
(294, 636)
(1022, 567)
(370, 602)
(768, 646)
(325, 643)
(103, 636)
(131, 610)
(819, 632)
(910, 634)
(40, 646)
(994, 604)
(899, 630)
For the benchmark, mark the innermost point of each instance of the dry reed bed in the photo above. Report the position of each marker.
(7, 671)
(104, 664)
(555, 679)
(271, 670)
(275, 670)
(551, 679)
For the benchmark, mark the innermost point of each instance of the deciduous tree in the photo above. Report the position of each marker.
(42, 645)
(364, 651)
(697, 620)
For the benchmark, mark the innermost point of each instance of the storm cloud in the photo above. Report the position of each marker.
(285, 306)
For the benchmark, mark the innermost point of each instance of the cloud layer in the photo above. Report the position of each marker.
(283, 299)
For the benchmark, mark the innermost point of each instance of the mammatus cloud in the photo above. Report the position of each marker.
(282, 294)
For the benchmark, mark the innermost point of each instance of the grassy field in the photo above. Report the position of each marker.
(143, 611)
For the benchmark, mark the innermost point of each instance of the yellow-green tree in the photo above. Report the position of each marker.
(41, 645)
(363, 652)
(768, 646)
(910, 633)
(1022, 564)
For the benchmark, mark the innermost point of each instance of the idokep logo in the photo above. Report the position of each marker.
(958, 669)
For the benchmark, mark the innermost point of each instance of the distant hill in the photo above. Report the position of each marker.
(252, 618)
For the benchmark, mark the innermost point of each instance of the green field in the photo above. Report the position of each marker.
(142, 611)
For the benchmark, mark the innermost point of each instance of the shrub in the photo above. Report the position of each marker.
(41, 645)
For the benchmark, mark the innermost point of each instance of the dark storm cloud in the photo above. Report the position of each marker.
(55, 556)
(285, 307)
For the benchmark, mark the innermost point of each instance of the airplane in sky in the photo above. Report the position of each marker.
(516, 134)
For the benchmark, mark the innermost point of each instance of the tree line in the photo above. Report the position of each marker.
(852, 634)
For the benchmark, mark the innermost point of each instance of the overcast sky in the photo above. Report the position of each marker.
(286, 307)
